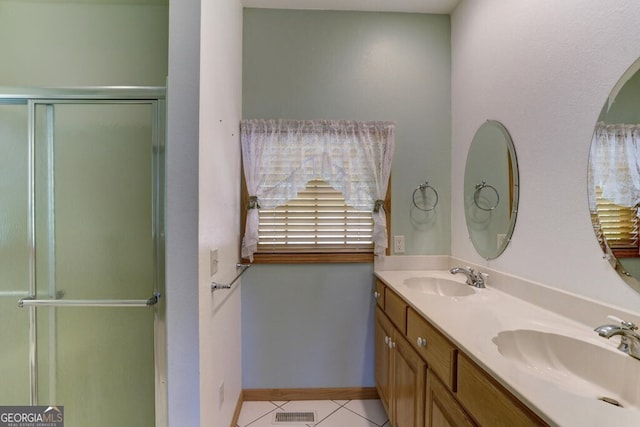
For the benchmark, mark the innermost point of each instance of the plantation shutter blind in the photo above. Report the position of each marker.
(317, 220)
(280, 158)
(617, 224)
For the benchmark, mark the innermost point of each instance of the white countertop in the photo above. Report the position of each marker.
(471, 323)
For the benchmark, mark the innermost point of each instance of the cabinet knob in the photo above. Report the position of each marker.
(386, 340)
(422, 342)
(376, 294)
(392, 344)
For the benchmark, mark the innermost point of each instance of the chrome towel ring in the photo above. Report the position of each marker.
(422, 188)
(476, 196)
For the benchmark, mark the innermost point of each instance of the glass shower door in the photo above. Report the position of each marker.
(90, 265)
(14, 253)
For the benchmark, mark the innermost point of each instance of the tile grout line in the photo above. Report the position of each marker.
(327, 417)
(260, 417)
(342, 405)
(265, 414)
(362, 416)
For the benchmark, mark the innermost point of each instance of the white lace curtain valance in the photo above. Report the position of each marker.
(280, 156)
(614, 164)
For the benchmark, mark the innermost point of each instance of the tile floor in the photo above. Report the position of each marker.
(329, 413)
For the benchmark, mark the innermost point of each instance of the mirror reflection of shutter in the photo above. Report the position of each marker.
(619, 226)
(316, 221)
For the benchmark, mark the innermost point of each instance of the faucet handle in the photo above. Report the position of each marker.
(624, 323)
(480, 280)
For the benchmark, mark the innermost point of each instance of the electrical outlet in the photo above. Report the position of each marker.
(221, 394)
(398, 244)
(213, 261)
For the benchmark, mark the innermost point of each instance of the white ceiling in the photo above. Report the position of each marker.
(413, 6)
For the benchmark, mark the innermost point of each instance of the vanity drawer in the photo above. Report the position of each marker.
(439, 353)
(488, 402)
(378, 294)
(396, 309)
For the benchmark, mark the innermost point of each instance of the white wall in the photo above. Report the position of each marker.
(544, 69)
(219, 207)
(182, 214)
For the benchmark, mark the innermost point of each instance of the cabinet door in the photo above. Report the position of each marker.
(487, 401)
(384, 333)
(408, 385)
(441, 409)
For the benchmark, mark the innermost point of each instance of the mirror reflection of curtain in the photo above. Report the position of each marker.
(615, 163)
(614, 187)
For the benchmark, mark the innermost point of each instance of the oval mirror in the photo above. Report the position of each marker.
(491, 189)
(614, 177)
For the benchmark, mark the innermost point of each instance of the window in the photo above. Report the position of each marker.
(317, 226)
(315, 191)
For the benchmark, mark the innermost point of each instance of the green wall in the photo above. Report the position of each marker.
(363, 66)
(344, 65)
(83, 44)
(625, 108)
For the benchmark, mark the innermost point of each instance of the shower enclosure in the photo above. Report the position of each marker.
(82, 253)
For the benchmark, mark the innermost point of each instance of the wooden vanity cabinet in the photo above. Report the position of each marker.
(489, 402)
(439, 353)
(396, 309)
(383, 332)
(408, 385)
(423, 379)
(399, 370)
(378, 294)
(441, 408)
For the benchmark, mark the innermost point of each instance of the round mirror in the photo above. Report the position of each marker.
(491, 189)
(614, 177)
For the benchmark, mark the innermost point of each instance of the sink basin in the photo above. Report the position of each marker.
(439, 285)
(574, 365)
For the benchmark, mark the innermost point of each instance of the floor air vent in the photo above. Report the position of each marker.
(294, 417)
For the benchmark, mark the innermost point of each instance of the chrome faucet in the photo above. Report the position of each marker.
(474, 279)
(629, 338)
